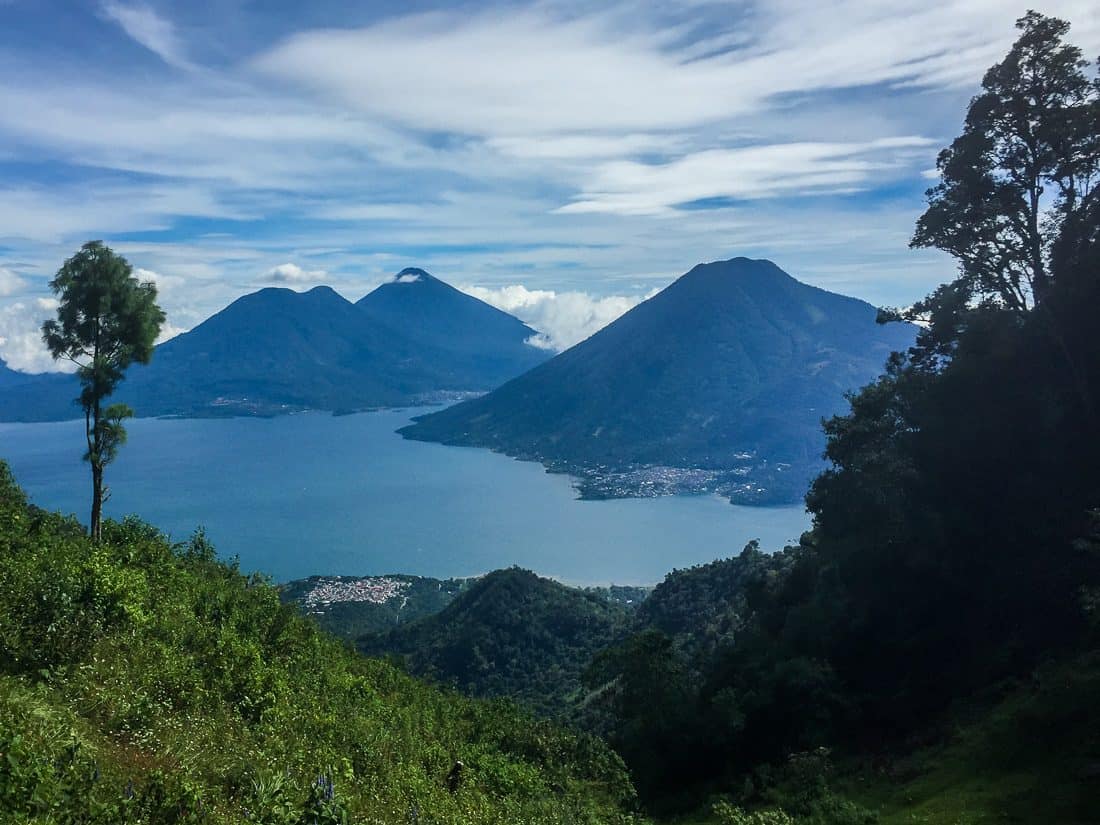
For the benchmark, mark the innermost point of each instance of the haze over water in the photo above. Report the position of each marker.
(315, 494)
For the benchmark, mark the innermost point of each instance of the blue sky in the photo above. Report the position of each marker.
(560, 159)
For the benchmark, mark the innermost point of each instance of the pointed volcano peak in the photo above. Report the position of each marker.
(440, 317)
(413, 275)
(735, 282)
(743, 269)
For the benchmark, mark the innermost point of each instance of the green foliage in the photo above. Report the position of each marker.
(1031, 132)
(799, 795)
(510, 633)
(728, 814)
(146, 682)
(106, 318)
(106, 321)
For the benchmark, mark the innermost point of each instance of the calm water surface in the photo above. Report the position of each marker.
(312, 493)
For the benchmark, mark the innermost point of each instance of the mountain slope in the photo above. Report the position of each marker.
(479, 345)
(730, 370)
(267, 351)
(273, 347)
(277, 350)
(12, 378)
(511, 633)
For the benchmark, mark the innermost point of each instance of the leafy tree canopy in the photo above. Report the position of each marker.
(106, 320)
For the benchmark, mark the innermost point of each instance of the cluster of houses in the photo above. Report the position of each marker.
(376, 589)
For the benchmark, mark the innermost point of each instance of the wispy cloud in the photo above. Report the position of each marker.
(10, 283)
(752, 172)
(149, 29)
(568, 69)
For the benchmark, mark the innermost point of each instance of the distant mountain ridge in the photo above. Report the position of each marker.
(413, 340)
(11, 378)
(719, 382)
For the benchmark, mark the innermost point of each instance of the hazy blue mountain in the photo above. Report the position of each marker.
(271, 350)
(37, 397)
(277, 350)
(483, 346)
(11, 378)
(727, 372)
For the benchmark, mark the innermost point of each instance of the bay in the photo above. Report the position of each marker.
(308, 494)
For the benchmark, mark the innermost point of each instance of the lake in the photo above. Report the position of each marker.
(318, 494)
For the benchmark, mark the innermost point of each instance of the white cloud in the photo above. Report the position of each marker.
(75, 211)
(410, 278)
(562, 318)
(753, 172)
(10, 283)
(150, 30)
(568, 70)
(583, 147)
(169, 331)
(21, 345)
(292, 275)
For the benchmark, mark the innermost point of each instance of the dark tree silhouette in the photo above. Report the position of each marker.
(1028, 158)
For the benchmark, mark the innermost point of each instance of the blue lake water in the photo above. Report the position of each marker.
(317, 494)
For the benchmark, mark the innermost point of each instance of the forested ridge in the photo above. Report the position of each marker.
(511, 633)
(954, 550)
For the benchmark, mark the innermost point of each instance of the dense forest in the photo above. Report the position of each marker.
(954, 550)
(512, 634)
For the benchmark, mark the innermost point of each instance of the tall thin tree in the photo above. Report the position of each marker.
(106, 320)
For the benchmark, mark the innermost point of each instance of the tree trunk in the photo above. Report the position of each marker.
(97, 501)
(96, 455)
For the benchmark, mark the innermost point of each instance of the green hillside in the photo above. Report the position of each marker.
(511, 633)
(146, 682)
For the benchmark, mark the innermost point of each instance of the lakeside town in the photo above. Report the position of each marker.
(373, 589)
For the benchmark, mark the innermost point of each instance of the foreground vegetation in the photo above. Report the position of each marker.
(144, 682)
